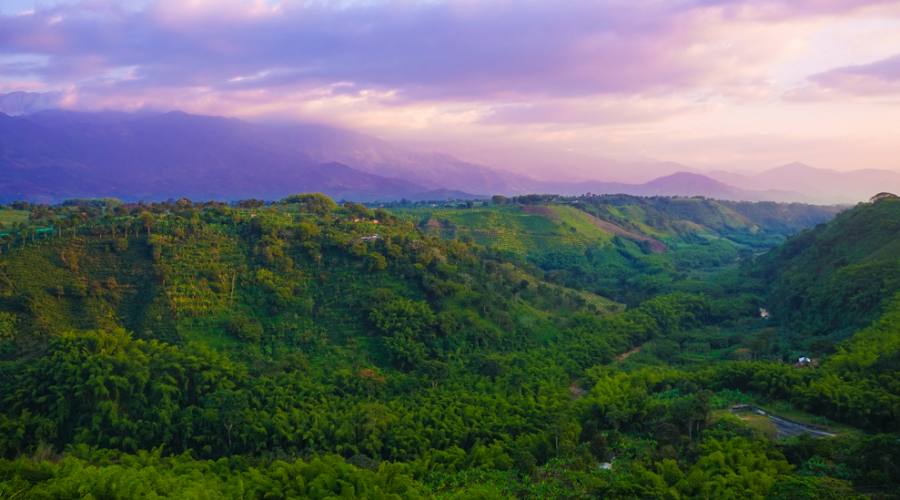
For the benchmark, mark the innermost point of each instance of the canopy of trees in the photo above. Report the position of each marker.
(306, 349)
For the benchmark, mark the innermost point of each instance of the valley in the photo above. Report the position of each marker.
(497, 348)
(449, 250)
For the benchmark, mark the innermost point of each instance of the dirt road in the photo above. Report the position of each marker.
(784, 427)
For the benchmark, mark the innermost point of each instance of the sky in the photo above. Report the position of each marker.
(548, 88)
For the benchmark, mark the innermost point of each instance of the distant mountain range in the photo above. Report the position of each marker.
(817, 184)
(679, 184)
(53, 155)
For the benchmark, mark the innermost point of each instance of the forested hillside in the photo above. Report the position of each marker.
(834, 279)
(534, 347)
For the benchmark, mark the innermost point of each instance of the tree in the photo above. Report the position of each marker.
(7, 325)
(691, 412)
(245, 329)
(147, 221)
(316, 203)
(406, 326)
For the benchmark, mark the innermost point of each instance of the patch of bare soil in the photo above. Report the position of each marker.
(576, 390)
(655, 245)
(626, 355)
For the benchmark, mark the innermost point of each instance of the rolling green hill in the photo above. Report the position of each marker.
(623, 247)
(297, 275)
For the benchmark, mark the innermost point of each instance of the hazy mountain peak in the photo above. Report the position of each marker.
(686, 177)
(795, 166)
(22, 103)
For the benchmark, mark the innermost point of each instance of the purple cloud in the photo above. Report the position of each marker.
(578, 112)
(426, 50)
(876, 78)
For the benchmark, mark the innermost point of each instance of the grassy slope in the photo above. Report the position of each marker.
(515, 229)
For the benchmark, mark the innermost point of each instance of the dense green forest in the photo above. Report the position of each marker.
(535, 347)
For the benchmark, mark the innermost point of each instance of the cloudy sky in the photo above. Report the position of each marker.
(521, 84)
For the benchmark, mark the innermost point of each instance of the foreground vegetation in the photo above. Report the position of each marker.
(534, 347)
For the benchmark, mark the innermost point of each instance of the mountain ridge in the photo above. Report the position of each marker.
(52, 155)
(817, 184)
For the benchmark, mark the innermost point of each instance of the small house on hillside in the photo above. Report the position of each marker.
(803, 362)
(763, 313)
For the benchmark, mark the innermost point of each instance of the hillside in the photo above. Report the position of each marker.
(624, 247)
(836, 278)
(200, 267)
(305, 349)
